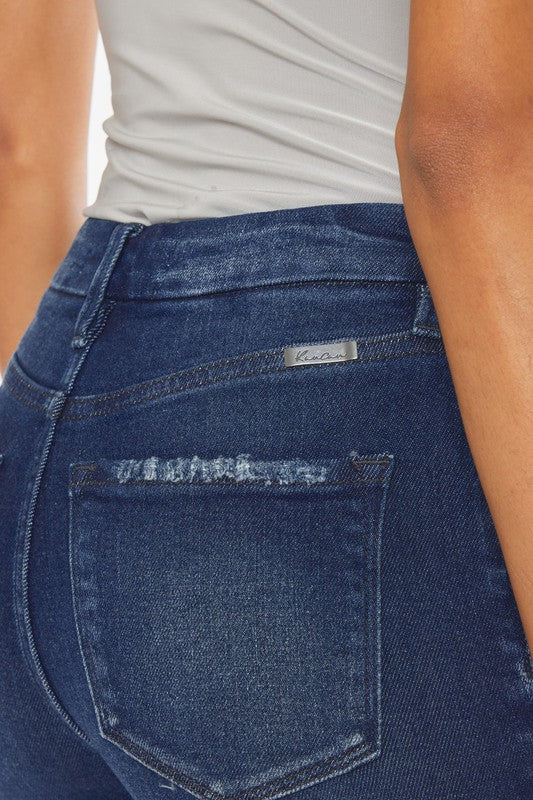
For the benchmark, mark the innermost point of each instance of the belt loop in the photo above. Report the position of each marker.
(425, 322)
(96, 291)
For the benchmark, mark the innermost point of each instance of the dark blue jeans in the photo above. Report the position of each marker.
(245, 552)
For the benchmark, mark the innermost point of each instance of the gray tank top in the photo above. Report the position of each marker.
(230, 106)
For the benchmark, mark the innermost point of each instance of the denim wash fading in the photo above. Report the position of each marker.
(232, 576)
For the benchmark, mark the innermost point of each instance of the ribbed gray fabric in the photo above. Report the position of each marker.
(229, 106)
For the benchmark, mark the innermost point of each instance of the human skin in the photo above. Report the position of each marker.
(463, 143)
(46, 66)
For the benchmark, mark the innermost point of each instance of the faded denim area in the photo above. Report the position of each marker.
(241, 469)
(222, 576)
(226, 469)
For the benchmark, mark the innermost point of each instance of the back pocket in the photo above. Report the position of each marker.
(228, 614)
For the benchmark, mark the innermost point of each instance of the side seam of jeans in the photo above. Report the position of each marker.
(89, 324)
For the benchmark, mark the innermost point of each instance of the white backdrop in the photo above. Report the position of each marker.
(100, 109)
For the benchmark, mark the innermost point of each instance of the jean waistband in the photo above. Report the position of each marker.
(346, 241)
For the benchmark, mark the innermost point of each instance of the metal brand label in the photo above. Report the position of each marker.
(320, 353)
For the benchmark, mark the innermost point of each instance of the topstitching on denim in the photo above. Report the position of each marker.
(52, 405)
(366, 471)
(373, 348)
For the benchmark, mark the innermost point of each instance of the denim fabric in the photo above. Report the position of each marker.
(241, 558)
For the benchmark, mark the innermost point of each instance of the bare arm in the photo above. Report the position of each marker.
(464, 143)
(46, 68)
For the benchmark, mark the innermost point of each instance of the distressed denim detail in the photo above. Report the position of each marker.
(238, 469)
(228, 469)
(260, 524)
(201, 591)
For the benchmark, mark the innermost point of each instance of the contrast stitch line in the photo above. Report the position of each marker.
(213, 365)
(25, 402)
(49, 393)
(83, 585)
(366, 609)
(373, 628)
(370, 461)
(264, 790)
(176, 390)
(83, 467)
(181, 482)
(23, 545)
(423, 291)
(172, 376)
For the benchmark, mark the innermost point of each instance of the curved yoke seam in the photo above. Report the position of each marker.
(144, 391)
(73, 401)
(259, 354)
(177, 390)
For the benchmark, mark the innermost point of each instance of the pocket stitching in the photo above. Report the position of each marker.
(316, 771)
(264, 790)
